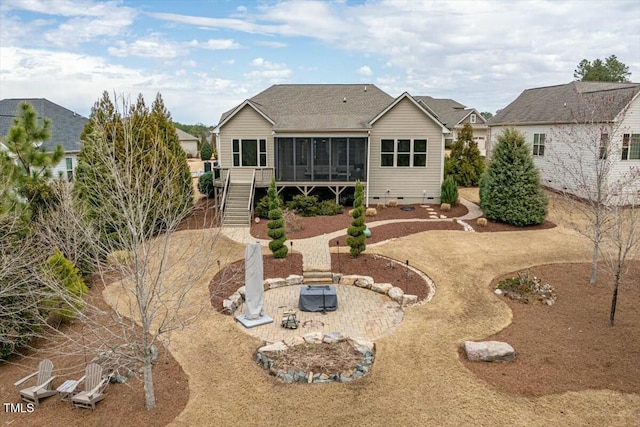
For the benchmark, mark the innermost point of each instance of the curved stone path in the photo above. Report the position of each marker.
(316, 252)
(418, 379)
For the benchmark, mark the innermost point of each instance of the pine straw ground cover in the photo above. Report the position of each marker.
(418, 377)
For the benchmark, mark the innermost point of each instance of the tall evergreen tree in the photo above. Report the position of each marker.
(609, 70)
(32, 164)
(145, 143)
(510, 190)
(357, 228)
(276, 223)
(465, 163)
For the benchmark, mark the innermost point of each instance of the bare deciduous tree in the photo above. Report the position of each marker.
(621, 242)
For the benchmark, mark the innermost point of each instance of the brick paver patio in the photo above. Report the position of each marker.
(361, 313)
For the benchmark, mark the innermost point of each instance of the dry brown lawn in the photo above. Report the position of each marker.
(417, 378)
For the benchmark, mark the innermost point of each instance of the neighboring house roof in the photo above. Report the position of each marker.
(66, 126)
(300, 107)
(451, 113)
(568, 103)
(184, 136)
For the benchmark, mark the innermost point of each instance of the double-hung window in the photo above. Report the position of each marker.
(631, 146)
(403, 153)
(249, 152)
(69, 165)
(538, 144)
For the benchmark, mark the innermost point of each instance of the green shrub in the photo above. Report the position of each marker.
(464, 163)
(356, 230)
(206, 184)
(510, 190)
(329, 207)
(276, 223)
(66, 276)
(449, 191)
(206, 151)
(261, 210)
(304, 205)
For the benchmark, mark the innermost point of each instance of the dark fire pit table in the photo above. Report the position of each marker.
(318, 298)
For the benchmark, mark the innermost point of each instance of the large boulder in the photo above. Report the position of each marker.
(276, 346)
(489, 351)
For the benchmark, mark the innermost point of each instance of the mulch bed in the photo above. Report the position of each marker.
(316, 225)
(124, 404)
(570, 345)
(203, 216)
(400, 229)
(230, 278)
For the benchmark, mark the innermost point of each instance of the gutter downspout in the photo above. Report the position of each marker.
(441, 165)
(369, 164)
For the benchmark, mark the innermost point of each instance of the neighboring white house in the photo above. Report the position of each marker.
(324, 135)
(188, 142)
(66, 128)
(454, 116)
(578, 130)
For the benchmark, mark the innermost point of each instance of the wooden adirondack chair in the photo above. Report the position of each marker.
(43, 387)
(94, 385)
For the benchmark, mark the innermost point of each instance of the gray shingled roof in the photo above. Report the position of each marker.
(319, 106)
(66, 126)
(449, 112)
(184, 136)
(568, 103)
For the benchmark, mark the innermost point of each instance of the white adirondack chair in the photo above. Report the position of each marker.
(43, 386)
(94, 385)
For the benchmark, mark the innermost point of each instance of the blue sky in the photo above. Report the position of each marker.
(205, 57)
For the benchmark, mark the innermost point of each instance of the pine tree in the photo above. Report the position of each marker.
(465, 163)
(144, 149)
(357, 228)
(205, 151)
(276, 224)
(33, 164)
(510, 190)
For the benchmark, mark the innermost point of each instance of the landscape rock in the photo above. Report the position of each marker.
(294, 341)
(408, 300)
(333, 337)
(364, 282)
(498, 292)
(381, 288)
(489, 351)
(276, 346)
(228, 307)
(241, 290)
(294, 279)
(361, 345)
(396, 294)
(313, 337)
(274, 283)
(236, 298)
(348, 279)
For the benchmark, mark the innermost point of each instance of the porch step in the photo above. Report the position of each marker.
(235, 211)
(316, 277)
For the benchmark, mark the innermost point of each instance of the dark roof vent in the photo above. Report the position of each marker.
(365, 88)
(344, 99)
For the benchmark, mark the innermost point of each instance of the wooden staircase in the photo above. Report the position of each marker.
(236, 208)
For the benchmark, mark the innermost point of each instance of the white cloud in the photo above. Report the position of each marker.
(273, 44)
(365, 70)
(229, 61)
(266, 71)
(215, 44)
(153, 47)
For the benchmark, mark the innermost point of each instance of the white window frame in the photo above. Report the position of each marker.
(259, 153)
(539, 140)
(627, 140)
(472, 118)
(411, 153)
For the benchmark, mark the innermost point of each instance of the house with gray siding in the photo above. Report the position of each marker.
(580, 131)
(324, 135)
(66, 128)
